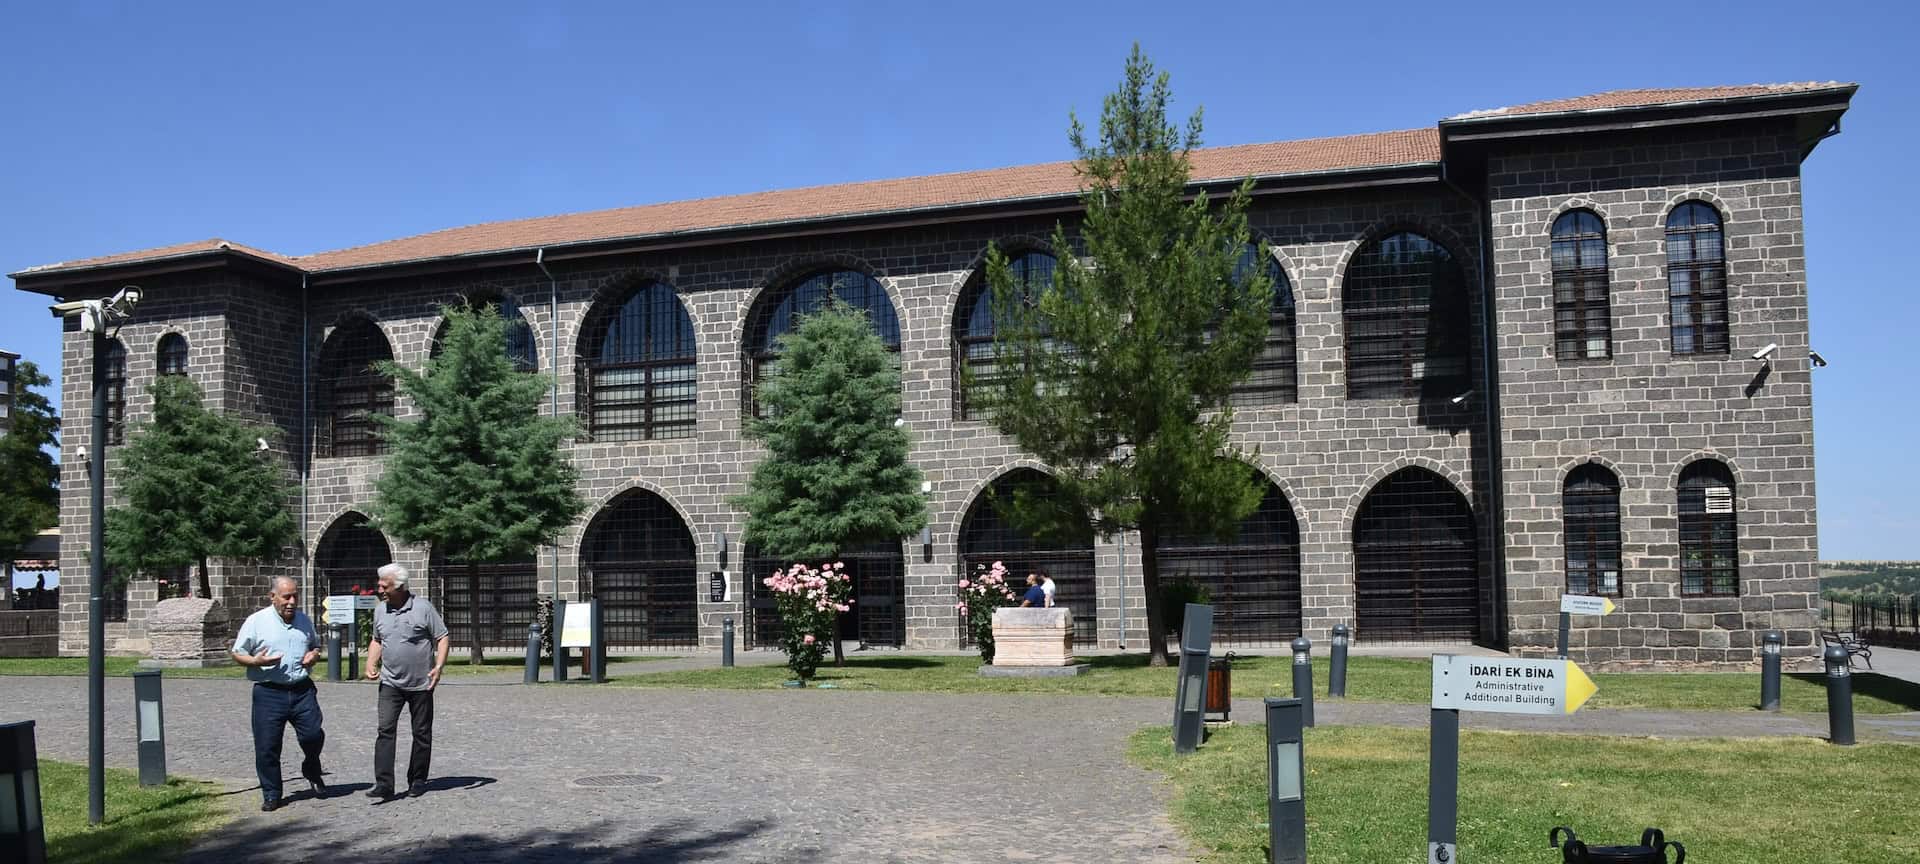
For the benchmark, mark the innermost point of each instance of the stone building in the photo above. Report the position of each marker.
(1513, 355)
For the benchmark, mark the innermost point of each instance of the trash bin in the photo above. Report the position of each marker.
(1220, 686)
(1652, 849)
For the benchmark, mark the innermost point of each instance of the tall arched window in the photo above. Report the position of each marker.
(1273, 379)
(1697, 279)
(638, 559)
(173, 355)
(346, 558)
(637, 379)
(1709, 531)
(987, 536)
(522, 348)
(1252, 579)
(1406, 317)
(1590, 513)
(975, 363)
(1582, 316)
(351, 390)
(775, 313)
(114, 363)
(1416, 561)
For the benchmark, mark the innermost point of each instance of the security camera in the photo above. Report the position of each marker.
(83, 453)
(1766, 352)
(1461, 399)
(1816, 358)
(261, 444)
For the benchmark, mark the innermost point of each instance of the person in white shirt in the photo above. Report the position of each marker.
(1046, 584)
(278, 646)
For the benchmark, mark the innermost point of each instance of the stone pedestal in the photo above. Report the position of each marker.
(188, 632)
(1025, 636)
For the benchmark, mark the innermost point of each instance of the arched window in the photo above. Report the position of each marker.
(492, 602)
(637, 379)
(1709, 531)
(1252, 579)
(346, 558)
(1590, 512)
(986, 536)
(1582, 317)
(776, 311)
(173, 355)
(114, 362)
(351, 390)
(1405, 311)
(879, 614)
(974, 356)
(522, 349)
(1273, 380)
(1697, 279)
(1415, 561)
(638, 559)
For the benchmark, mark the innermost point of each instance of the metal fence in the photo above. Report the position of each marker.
(1890, 621)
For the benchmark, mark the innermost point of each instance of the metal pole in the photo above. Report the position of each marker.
(1770, 671)
(1443, 786)
(597, 654)
(1566, 627)
(353, 647)
(1337, 673)
(333, 652)
(726, 643)
(96, 597)
(533, 654)
(150, 727)
(1839, 696)
(1303, 678)
(1286, 783)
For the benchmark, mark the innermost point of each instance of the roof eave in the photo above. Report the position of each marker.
(47, 280)
(1493, 126)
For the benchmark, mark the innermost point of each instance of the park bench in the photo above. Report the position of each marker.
(1856, 645)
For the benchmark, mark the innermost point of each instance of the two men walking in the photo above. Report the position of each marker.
(279, 646)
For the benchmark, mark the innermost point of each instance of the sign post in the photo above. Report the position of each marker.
(1501, 685)
(1578, 604)
(1190, 690)
(576, 628)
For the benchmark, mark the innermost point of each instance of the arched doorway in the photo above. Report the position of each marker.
(1416, 562)
(493, 608)
(638, 559)
(879, 614)
(1252, 578)
(986, 536)
(345, 560)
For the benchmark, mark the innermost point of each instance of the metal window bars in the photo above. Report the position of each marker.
(1590, 516)
(638, 380)
(1406, 315)
(1582, 314)
(1709, 531)
(352, 390)
(1697, 280)
(1416, 562)
(639, 560)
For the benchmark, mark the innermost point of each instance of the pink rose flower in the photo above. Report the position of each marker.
(964, 583)
(807, 638)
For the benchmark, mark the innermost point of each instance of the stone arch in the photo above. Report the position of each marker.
(1254, 578)
(798, 267)
(345, 557)
(1071, 564)
(1567, 465)
(1416, 560)
(1704, 196)
(656, 403)
(645, 572)
(1461, 484)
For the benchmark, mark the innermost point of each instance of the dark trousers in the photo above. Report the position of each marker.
(273, 708)
(419, 705)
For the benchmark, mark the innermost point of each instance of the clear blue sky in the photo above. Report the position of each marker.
(303, 127)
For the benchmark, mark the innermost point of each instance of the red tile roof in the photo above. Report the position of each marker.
(1052, 179)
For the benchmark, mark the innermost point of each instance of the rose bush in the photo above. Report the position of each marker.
(980, 594)
(809, 603)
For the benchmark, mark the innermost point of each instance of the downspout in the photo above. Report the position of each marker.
(553, 360)
(1490, 388)
(306, 441)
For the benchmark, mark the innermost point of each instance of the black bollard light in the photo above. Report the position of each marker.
(150, 727)
(726, 643)
(1770, 671)
(597, 653)
(1839, 696)
(1303, 679)
(1337, 672)
(333, 653)
(532, 675)
(1286, 783)
(22, 838)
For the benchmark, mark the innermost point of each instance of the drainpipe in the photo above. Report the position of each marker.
(1490, 390)
(553, 360)
(306, 440)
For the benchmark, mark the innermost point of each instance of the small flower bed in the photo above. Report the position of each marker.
(980, 594)
(809, 603)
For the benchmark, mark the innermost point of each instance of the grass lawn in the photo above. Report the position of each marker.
(1369, 679)
(116, 667)
(143, 824)
(1727, 801)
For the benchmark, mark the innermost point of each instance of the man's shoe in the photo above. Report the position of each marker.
(416, 791)
(319, 786)
(379, 794)
(269, 806)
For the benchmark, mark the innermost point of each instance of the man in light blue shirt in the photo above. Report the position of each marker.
(278, 646)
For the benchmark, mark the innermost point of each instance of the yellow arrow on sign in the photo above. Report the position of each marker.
(1580, 688)
(1609, 606)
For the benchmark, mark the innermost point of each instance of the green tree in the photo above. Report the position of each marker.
(29, 479)
(480, 476)
(836, 474)
(196, 486)
(1119, 374)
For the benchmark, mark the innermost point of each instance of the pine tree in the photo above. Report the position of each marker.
(836, 474)
(1119, 375)
(196, 486)
(29, 479)
(480, 476)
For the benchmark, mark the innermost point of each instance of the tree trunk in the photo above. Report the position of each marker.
(1150, 584)
(205, 581)
(474, 654)
(839, 658)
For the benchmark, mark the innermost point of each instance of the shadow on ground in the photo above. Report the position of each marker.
(1900, 692)
(601, 843)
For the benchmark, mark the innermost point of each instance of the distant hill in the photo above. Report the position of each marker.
(1846, 580)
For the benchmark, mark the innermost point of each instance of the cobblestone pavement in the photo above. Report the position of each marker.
(791, 776)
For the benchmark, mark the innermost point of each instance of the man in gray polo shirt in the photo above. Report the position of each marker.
(279, 647)
(409, 649)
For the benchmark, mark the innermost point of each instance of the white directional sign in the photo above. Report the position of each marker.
(1581, 604)
(1505, 685)
(365, 601)
(339, 609)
